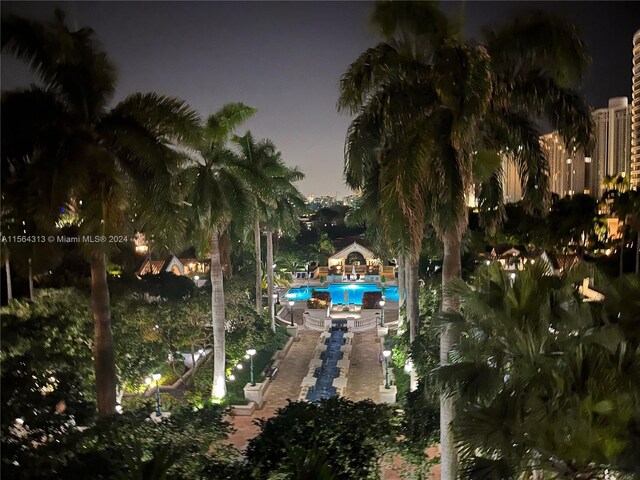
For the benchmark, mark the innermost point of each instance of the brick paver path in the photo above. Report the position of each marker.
(293, 368)
(365, 376)
(365, 373)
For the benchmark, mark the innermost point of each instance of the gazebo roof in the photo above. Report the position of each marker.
(354, 247)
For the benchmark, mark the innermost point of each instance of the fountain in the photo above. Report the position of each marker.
(329, 370)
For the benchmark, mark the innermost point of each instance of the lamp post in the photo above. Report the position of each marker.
(382, 302)
(156, 377)
(251, 352)
(386, 354)
(291, 304)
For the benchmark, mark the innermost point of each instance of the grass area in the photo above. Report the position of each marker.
(235, 388)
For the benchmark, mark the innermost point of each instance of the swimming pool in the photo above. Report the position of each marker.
(343, 292)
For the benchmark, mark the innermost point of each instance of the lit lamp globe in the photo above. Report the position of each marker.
(251, 352)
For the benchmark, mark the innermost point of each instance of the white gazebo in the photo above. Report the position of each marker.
(354, 263)
(353, 255)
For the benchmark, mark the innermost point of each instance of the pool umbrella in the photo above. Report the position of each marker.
(353, 270)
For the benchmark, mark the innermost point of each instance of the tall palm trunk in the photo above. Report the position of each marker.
(622, 254)
(104, 359)
(413, 306)
(638, 253)
(401, 292)
(256, 239)
(406, 279)
(30, 281)
(7, 271)
(219, 387)
(270, 276)
(451, 270)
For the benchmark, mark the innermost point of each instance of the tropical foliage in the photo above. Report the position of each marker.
(63, 148)
(434, 113)
(221, 187)
(332, 429)
(544, 382)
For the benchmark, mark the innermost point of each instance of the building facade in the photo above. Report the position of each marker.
(574, 172)
(612, 151)
(569, 169)
(511, 187)
(635, 114)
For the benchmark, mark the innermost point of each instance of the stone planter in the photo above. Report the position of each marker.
(292, 330)
(388, 395)
(254, 393)
(243, 410)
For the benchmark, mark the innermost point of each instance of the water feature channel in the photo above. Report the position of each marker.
(324, 388)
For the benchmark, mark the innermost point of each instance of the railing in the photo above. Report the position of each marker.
(362, 324)
(283, 317)
(318, 324)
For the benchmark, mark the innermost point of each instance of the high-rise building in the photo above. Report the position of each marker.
(511, 187)
(569, 169)
(635, 114)
(612, 152)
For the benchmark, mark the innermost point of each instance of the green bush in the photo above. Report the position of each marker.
(352, 435)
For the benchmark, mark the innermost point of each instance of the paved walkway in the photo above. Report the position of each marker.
(286, 385)
(293, 368)
(365, 373)
(365, 377)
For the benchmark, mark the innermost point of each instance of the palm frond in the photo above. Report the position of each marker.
(540, 40)
(165, 117)
(224, 122)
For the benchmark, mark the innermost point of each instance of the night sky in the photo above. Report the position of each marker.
(286, 59)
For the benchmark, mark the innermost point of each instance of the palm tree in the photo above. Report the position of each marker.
(387, 232)
(431, 109)
(116, 163)
(277, 202)
(542, 383)
(323, 247)
(220, 188)
(283, 218)
(626, 206)
(7, 267)
(257, 154)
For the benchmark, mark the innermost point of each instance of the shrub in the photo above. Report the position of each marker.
(371, 300)
(316, 304)
(326, 296)
(352, 435)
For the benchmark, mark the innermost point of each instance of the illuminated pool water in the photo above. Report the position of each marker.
(343, 292)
